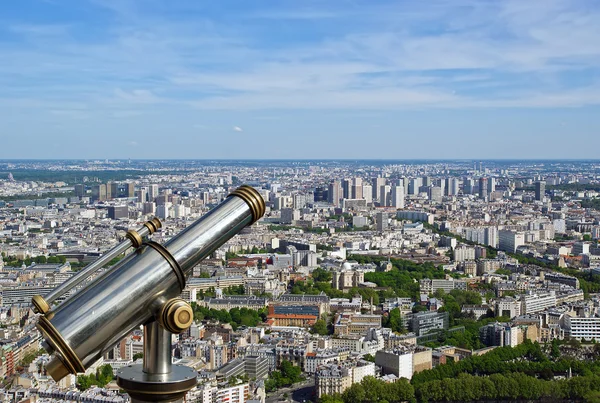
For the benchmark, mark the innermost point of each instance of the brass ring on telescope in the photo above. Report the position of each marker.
(169, 258)
(254, 200)
(40, 304)
(70, 359)
(134, 237)
(153, 225)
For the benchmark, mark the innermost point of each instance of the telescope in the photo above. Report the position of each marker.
(142, 289)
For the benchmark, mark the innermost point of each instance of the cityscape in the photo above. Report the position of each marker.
(411, 277)
(348, 201)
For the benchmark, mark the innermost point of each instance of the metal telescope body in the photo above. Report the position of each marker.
(142, 289)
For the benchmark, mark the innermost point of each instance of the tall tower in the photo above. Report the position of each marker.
(397, 197)
(152, 192)
(483, 188)
(333, 194)
(540, 190)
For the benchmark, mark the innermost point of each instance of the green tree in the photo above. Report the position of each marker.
(320, 327)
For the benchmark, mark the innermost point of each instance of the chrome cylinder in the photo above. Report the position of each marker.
(134, 239)
(91, 322)
(157, 349)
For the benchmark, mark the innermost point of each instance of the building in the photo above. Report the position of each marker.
(424, 322)
(351, 324)
(332, 379)
(336, 378)
(118, 212)
(581, 248)
(398, 362)
(508, 307)
(381, 220)
(463, 252)
(509, 240)
(227, 394)
(585, 327)
(99, 192)
(347, 277)
(22, 295)
(499, 334)
(435, 194)
(235, 301)
(532, 303)
(540, 190)
(256, 367)
(321, 301)
(483, 188)
(561, 279)
(334, 193)
(397, 197)
(428, 286)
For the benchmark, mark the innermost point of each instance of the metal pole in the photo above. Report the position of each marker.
(134, 238)
(157, 349)
(86, 272)
(157, 380)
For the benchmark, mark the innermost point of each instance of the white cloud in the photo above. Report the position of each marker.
(375, 56)
(237, 129)
(136, 96)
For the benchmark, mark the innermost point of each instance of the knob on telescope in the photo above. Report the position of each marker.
(176, 315)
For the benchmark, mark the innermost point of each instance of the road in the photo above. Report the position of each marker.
(301, 392)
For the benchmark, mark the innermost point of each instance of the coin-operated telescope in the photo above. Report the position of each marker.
(142, 289)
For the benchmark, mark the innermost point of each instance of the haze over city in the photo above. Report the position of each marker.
(348, 79)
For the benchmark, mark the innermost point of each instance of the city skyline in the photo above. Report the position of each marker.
(235, 80)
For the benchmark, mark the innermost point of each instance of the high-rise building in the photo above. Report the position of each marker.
(414, 185)
(468, 186)
(540, 190)
(397, 197)
(320, 194)
(367, 193)
(454, 187)
(509, 241)
(117, 212)
(99, 192)
(384, 195)
(491, 185)
(149, 208)
(377, 183)
(483, 188)
(347, 189)
(357, 191)
(333, 193)
(152, 192)
(109, 191)
(142, 195)
(435, 194)
(131, 189)
(79, 190)
(114, 190)
(382, 221)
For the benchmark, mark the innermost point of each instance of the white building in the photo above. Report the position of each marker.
(510, 240)
(533, 303)
(582, 328)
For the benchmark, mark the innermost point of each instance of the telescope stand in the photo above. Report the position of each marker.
(157, 379)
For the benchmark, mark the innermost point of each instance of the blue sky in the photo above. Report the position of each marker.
(299, 79)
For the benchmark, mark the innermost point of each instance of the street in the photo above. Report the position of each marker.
(301, 392)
